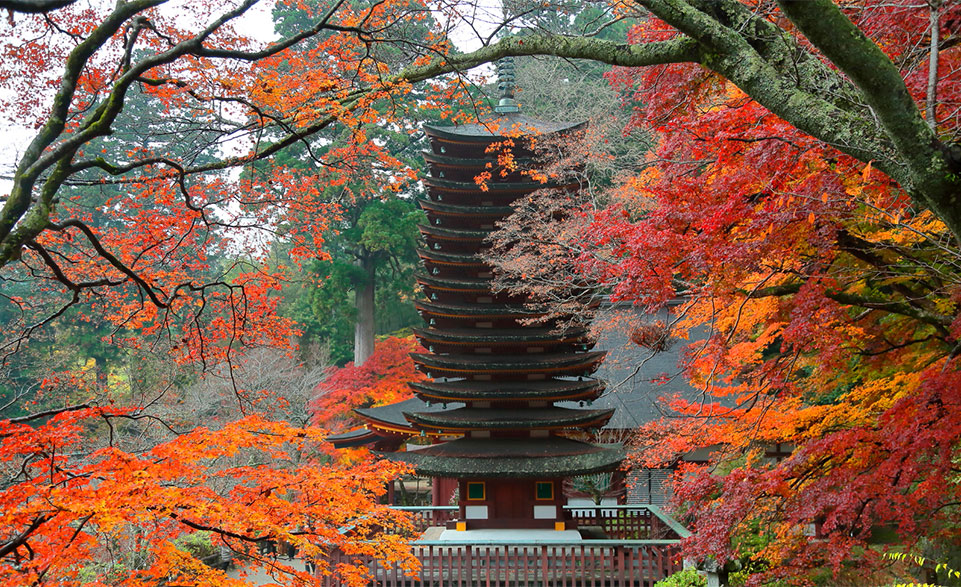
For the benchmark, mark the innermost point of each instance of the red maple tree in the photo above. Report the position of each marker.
(827, 287)
(382, 379)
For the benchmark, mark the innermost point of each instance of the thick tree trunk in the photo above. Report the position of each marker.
(364, 304)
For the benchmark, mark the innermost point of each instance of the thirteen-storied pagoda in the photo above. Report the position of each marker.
(494, 379)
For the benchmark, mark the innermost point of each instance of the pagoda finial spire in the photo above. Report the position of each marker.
(506, 86)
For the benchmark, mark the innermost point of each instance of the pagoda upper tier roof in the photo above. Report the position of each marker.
(444, 208)
(443, 258)
(499, 127)
(471, 310)
(470, 162)
(478, 458)
(512, 336)
(452, 234)
(517, 363)
(461, 284)
(510, 419)
(551, 389)
(492, 186)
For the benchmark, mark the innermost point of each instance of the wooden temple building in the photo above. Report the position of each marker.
(494, 428)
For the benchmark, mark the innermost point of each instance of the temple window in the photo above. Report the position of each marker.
(544, 490)
(476, 490)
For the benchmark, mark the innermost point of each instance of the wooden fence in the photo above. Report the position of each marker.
(595, 563)
(639, 545)
(622, 522)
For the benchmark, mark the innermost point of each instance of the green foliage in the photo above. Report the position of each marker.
(380, 232)
(942, 570)
(199, 544)
(689, 577)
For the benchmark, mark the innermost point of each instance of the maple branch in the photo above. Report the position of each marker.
(60, 276)
(48, 413)
(110, 258)
(221, 531)
(34, 6)
(36, 158)
(13, 346)
(21, 539)
(939, 321)
(930, 163)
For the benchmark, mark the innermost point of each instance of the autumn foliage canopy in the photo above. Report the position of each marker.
(830, 303)
(800, 203)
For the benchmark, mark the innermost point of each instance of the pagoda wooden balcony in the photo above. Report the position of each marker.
(624, 522)
(622, 560)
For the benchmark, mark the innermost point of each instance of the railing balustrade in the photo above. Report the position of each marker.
(622, 522)
(595, 563)
(639, 546)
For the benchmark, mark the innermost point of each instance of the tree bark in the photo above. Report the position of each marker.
(932, 98)
(364, 304)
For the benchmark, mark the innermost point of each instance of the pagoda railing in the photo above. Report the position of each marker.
(628, 522)
(608, 563)
(640, 547)
(424, 517)
(621, 522)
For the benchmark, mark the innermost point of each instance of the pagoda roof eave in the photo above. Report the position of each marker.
(353, 438)
(457, 259)
(452, 233)
(493, 185)
(390, 417)
(482, 310)
(553, 418)
(463, 210)
(515, 466)
(501, 336)
(461, 162)
(465, 285)
(500, 127)
(529, 362)
(551, 390)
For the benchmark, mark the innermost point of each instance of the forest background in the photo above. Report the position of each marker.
(201, 218)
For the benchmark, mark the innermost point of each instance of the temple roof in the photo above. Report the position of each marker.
(464, 210)
(474, 458)
(470, 310)
(392, 415)
(492, 186)
(514, 419)
(518, 363)
(502, 390)
(455, 234)
(461, 162)
(495, 336)
(460, 259)
(498, 127)
(461, 284)
(352, 438)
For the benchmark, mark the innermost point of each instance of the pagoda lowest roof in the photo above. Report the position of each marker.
(517, 458)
